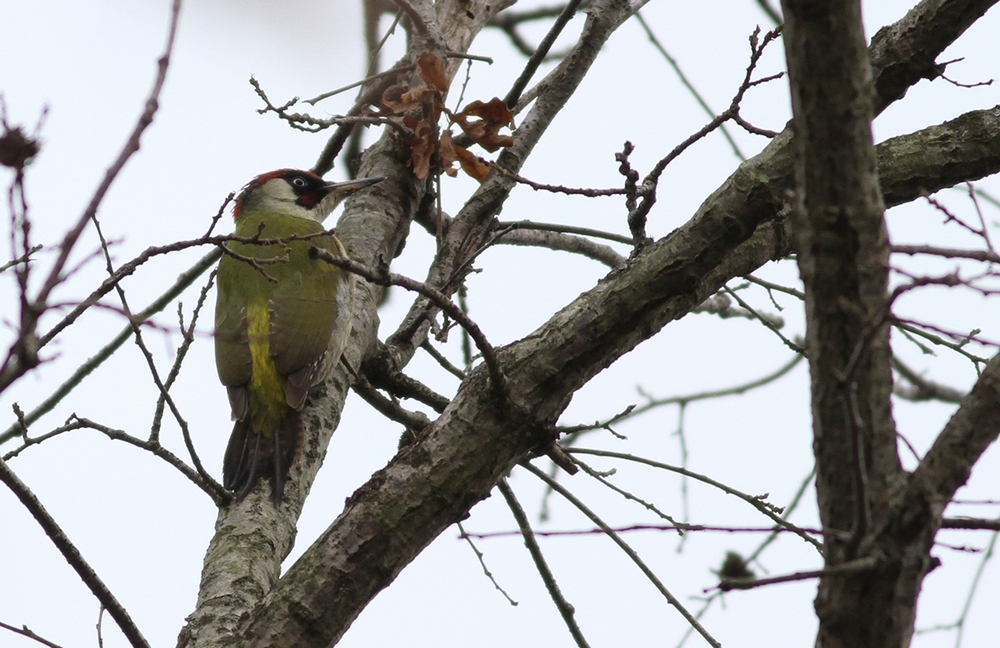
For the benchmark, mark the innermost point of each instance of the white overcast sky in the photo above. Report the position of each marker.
(145, 529)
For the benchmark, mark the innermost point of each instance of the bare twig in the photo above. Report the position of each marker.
(383, 277)
(443, 361)
(566, 229)
(536, 59)
(565, 609)
(756, 501)
(183, 281)
(721, 305)
(764, 320)
(974, 524)
(798, 294)
(414, 422)
(673, 600)
(188, 337)
(947, 253)
(163, 388)
(131, 146)
(24, 631)
(862, 564)
(482, 563)
(509, 21)
(309, 124)
(72, 556)
(680, 527)
(201, 479)
(559, 241)
(569, 191)
(915, 328)
(398, 69)
(772, 12)
(602, 478)
(24, 258)
(672, 62)
(652, 178)
(652, 403)
(922, 389)
(100, 628)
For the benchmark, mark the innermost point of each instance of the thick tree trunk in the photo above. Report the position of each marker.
(872, 518)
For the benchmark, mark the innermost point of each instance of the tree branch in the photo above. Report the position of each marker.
(72, 556)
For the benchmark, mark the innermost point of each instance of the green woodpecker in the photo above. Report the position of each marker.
(282, 319)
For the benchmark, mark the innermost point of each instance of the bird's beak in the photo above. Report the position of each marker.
(337, 191)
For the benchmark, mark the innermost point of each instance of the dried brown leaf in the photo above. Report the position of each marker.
(485, 131)
(432, 72)
(423, 146)
(475, 167)
(448, 154)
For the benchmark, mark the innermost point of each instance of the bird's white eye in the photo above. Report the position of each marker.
(299, 182)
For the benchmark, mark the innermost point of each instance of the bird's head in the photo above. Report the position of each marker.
(302, 194)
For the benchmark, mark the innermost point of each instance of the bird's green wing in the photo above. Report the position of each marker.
(303, 311)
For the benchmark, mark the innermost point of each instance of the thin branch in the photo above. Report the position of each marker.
(414, 422)
(757, 502)
(398, 69)
(947, 253)
(922, 389)
(443, 361)
(24, 258)
(772, 12)
(376, 369)
(202, 481)
(183, 282)
(602, 478)
(652, 178)
(482, 563)
(309, 124)
(672, 62)
(673, 600)
(798, 294)
(735, 390)
(72, 555)
(131, 146)
(971, 524)
(755, 554)
(565, 609)
(560, 242)
(383, 277)
(536, 59)
(764, 320)
(566, 229)
(917, 328)
(24, 631)
(852, 567)
(652, 403)
(721, 305)
(680, 527)
(151, 361)
(187, 335)
(560, 189)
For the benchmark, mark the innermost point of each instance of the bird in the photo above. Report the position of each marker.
(282, 319)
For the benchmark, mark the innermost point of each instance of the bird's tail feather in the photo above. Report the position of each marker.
(251, 455)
